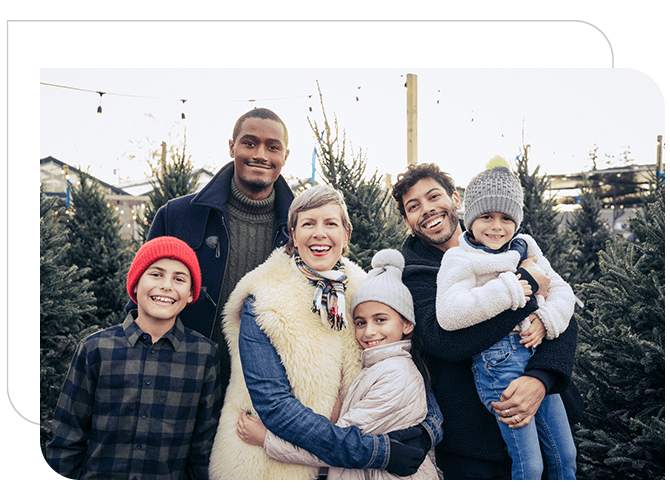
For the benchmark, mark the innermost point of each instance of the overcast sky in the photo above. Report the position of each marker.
(464, 116)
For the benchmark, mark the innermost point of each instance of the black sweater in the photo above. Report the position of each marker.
(472, 445)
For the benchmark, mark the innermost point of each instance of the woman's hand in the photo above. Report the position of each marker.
(250, 429)
(532, 337)
(520, 401)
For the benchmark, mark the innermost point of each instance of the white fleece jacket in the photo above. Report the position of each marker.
(388, 395)
(474, 286)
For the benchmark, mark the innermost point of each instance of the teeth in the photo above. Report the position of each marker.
(163, 299)
(319, 248)
(434, 223)
(373, 343)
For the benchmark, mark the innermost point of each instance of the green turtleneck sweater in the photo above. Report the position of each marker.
(251, 228)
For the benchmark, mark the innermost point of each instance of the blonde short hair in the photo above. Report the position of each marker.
(315, 197)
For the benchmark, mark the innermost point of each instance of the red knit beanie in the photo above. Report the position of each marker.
(164, 247)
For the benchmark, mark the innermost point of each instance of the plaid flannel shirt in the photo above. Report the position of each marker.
(130, 409)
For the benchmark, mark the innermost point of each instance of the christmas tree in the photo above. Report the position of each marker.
(541, 220)
(95, 243)
(376, 222)
(173, 179)
(588, 236)
(65, 299)
(620, 362)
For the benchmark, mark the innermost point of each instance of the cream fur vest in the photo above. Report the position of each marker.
(320, 362)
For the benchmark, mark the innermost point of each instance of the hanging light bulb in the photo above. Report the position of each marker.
(100, 105)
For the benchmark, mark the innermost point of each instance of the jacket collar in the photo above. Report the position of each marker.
(374, 355)
(175, 335)
(215, 194)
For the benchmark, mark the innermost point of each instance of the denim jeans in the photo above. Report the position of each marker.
(547, 434)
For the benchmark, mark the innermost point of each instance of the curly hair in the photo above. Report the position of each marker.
(414, 174)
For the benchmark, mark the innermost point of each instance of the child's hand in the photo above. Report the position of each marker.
(538, 274)
(250, 429)
(532, 337)
(527, 290)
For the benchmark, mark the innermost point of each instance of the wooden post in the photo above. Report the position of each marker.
(163, 153)
(659, 155)
(412, 112)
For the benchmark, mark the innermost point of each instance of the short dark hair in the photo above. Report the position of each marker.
(414, 174)
(262, 113)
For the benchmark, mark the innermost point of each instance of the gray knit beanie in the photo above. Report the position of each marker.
(496, 189)
(384, 284)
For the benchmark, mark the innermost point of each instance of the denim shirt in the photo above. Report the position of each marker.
(289, 419)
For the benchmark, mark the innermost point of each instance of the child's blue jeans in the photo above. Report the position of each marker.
(549, 431)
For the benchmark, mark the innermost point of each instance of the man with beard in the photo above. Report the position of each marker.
(472, 447)
(235, 221)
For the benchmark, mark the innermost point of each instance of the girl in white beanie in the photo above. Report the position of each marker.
(389, 394)
(480, 279)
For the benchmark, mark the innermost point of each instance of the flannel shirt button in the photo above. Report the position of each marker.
(148, 382)
(139, 446)
(144, 415)
(152, 351)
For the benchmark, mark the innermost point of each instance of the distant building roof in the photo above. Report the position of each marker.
(143, 187)
(620, 185)
(54, 181)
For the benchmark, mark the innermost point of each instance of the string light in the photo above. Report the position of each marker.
(100, 105)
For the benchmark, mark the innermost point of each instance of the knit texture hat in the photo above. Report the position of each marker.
(164, 247)
(496, 189)
(384, 284)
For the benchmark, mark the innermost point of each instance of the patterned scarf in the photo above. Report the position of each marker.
(329, 298)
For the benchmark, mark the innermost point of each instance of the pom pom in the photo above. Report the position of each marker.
(497, 161)
(388, 257)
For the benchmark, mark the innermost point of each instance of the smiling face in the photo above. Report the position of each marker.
(431, 213)
(259, 152)
(493, 229)
(320, 236)
(378, 324)
(163, 291)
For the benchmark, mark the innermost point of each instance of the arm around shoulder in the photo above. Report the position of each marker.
(284, 415)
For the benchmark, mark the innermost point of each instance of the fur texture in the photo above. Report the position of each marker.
(320, 362)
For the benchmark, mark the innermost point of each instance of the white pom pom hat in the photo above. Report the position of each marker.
(384, 284)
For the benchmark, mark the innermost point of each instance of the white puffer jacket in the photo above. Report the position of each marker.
(474, 286)
(388, 395)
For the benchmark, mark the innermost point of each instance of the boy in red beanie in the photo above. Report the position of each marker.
(142, 399)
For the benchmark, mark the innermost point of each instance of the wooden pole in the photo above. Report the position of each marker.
(163, 153)
(659, 155)
(412, 112)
